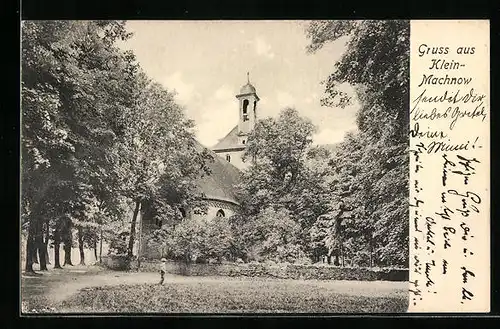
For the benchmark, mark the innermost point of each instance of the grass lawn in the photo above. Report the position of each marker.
(233, 296)
(87, 290)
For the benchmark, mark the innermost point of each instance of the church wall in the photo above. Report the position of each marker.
(214, 207)
(152, 251)
(236, 158)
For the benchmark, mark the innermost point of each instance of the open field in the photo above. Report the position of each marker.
(90, 289)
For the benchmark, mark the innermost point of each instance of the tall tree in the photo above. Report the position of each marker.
(376, 63)
(157, 154)
(280, 178)
(74, 86)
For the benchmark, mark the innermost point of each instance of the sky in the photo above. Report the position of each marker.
(206, 63)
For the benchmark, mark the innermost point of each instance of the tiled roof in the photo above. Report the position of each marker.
(220, 183)
(230, 141)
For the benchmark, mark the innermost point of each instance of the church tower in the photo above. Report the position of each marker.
(232, 146)
(247, 99)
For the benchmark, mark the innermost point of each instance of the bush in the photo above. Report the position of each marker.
(155, 244)
(219, 240)
(118, 262)
(271, 269)
(199, 239)
(118, 245)
(278, 237)
(303, 261)
(361, 259)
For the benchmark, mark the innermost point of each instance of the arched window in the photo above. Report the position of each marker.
(220, 213)
(243, 141)
(245, 111)
(228, 158)
(245, 106)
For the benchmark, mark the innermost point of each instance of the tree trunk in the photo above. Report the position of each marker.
(30, 249)
(57, 246)
(68, 241)
(67, 254)
(42, 252)
(80, 246)
(57, 262)
(40, 247)
(139, 249)
(371, 253)
(100, 248)
(342, 256)
(95, 250)
(132, 230)
(46, 242)
(34, 254)
(47, 259)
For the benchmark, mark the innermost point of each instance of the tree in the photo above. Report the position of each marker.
(277, 149)
(376, 63)
(188, 239)
(198, 238)
(74, 86)
(219, 243)
(281, 178)
(157, 155)
(280, 235)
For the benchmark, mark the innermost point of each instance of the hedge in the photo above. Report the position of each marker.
(280, 271)
(117, 262)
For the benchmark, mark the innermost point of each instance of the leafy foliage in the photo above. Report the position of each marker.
(201, 239)
(280, 192)
(370, 168)
(97, 135)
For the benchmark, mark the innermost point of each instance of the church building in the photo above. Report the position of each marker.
(217, 188)
(232, 146)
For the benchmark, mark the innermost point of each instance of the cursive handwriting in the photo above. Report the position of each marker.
(448, 110)
(449, 97)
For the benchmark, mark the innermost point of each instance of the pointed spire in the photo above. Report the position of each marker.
(248, 77)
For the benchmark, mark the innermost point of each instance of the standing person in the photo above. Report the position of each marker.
(163, 269)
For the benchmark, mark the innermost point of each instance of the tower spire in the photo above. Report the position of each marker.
(248, 77)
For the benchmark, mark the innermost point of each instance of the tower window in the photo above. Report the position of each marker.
(243, 141)
(245, 105)
(228, 158)
(220, 213)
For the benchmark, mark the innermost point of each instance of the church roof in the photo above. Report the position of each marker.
(220, 183)
(229, 142)
(247, 89)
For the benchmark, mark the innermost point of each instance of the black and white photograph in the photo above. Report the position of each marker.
(214, 167)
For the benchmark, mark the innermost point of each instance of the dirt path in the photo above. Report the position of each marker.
(62, 292)
(58, 284)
